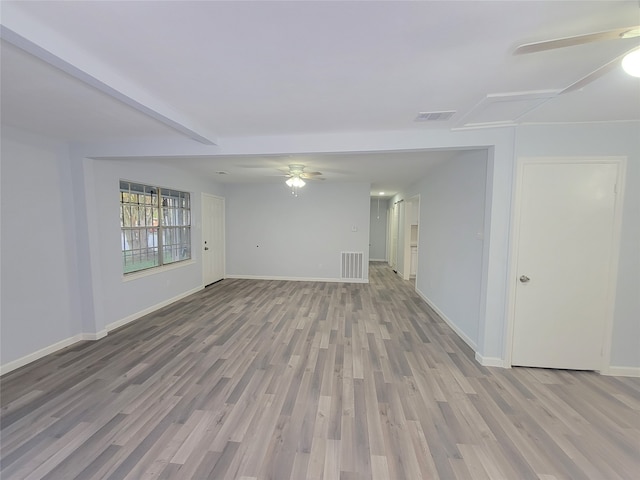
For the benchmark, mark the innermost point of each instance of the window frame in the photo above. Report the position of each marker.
(167, 215)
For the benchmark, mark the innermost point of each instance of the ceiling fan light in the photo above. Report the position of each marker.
(631, 63)
(295, 182)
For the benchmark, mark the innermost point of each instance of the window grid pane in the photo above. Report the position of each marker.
(155, 226)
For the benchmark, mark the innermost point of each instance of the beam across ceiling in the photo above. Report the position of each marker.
(48, 46)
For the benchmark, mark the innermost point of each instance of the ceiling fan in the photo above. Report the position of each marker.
(296, 177)
(615, 34)
(297, 171)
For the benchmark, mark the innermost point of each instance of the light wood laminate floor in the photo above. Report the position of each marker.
(252, 379)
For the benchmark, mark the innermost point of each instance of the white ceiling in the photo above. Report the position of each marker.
(220, 70)
(386, 171)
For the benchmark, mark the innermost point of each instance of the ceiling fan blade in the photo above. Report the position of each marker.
(599, 72)
(311, 174)
(625, 32)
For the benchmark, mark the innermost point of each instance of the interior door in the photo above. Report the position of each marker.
(212, 239)
(564, 261)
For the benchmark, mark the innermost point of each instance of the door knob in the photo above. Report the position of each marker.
(524, 279)
(206, 248)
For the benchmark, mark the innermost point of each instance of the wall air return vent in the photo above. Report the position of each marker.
(351, 264)
(434, 116)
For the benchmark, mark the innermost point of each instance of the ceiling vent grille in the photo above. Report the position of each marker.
(434, 116)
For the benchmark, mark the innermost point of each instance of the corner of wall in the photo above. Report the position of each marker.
(491, 361)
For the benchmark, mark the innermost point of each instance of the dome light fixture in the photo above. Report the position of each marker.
(295, 182)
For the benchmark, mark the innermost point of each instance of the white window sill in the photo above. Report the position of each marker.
(156, 270)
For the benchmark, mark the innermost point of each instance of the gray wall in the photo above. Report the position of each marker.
(60, 251)
(272, 234)
(40, 305)
(450, 249)
(116, 298)
(378, 229)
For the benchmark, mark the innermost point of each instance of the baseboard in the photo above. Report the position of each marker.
(484, 361)
(153, 308)
(453, 326)
(43, 352)
(377, 259)
(621, 371)
(490, 361)
(94, 336)
(299, 279)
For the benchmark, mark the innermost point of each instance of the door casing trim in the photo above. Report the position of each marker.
(224, 235)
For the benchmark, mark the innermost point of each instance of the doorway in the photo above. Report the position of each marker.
(213, 255)
(412, 214)
(394, 227)
(566, 236)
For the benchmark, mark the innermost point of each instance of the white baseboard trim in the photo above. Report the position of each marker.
(94, 336)
(484, 361)
(491, 361)
(152, 308)
(453, 326)
(621, 371)
(43, 352)
(299, 279)
(377, 259)
(32, 357)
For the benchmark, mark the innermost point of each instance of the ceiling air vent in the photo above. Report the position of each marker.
(434, 116)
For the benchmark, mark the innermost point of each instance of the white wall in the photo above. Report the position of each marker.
(117, 298)
(605, 140)
(272, 234)
(498, 141)
(450, 250)
(39, 289)
(378, 229)
(60, 252)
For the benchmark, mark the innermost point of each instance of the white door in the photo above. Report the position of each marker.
(565, 243)
(212, 239)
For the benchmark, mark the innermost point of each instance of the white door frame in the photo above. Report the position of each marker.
(411, 204)
(224, 236)
(395, 230)
(512, 281)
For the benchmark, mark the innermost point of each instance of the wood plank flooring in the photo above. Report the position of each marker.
(252, 379)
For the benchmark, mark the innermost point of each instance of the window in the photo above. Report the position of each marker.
(155, 226)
